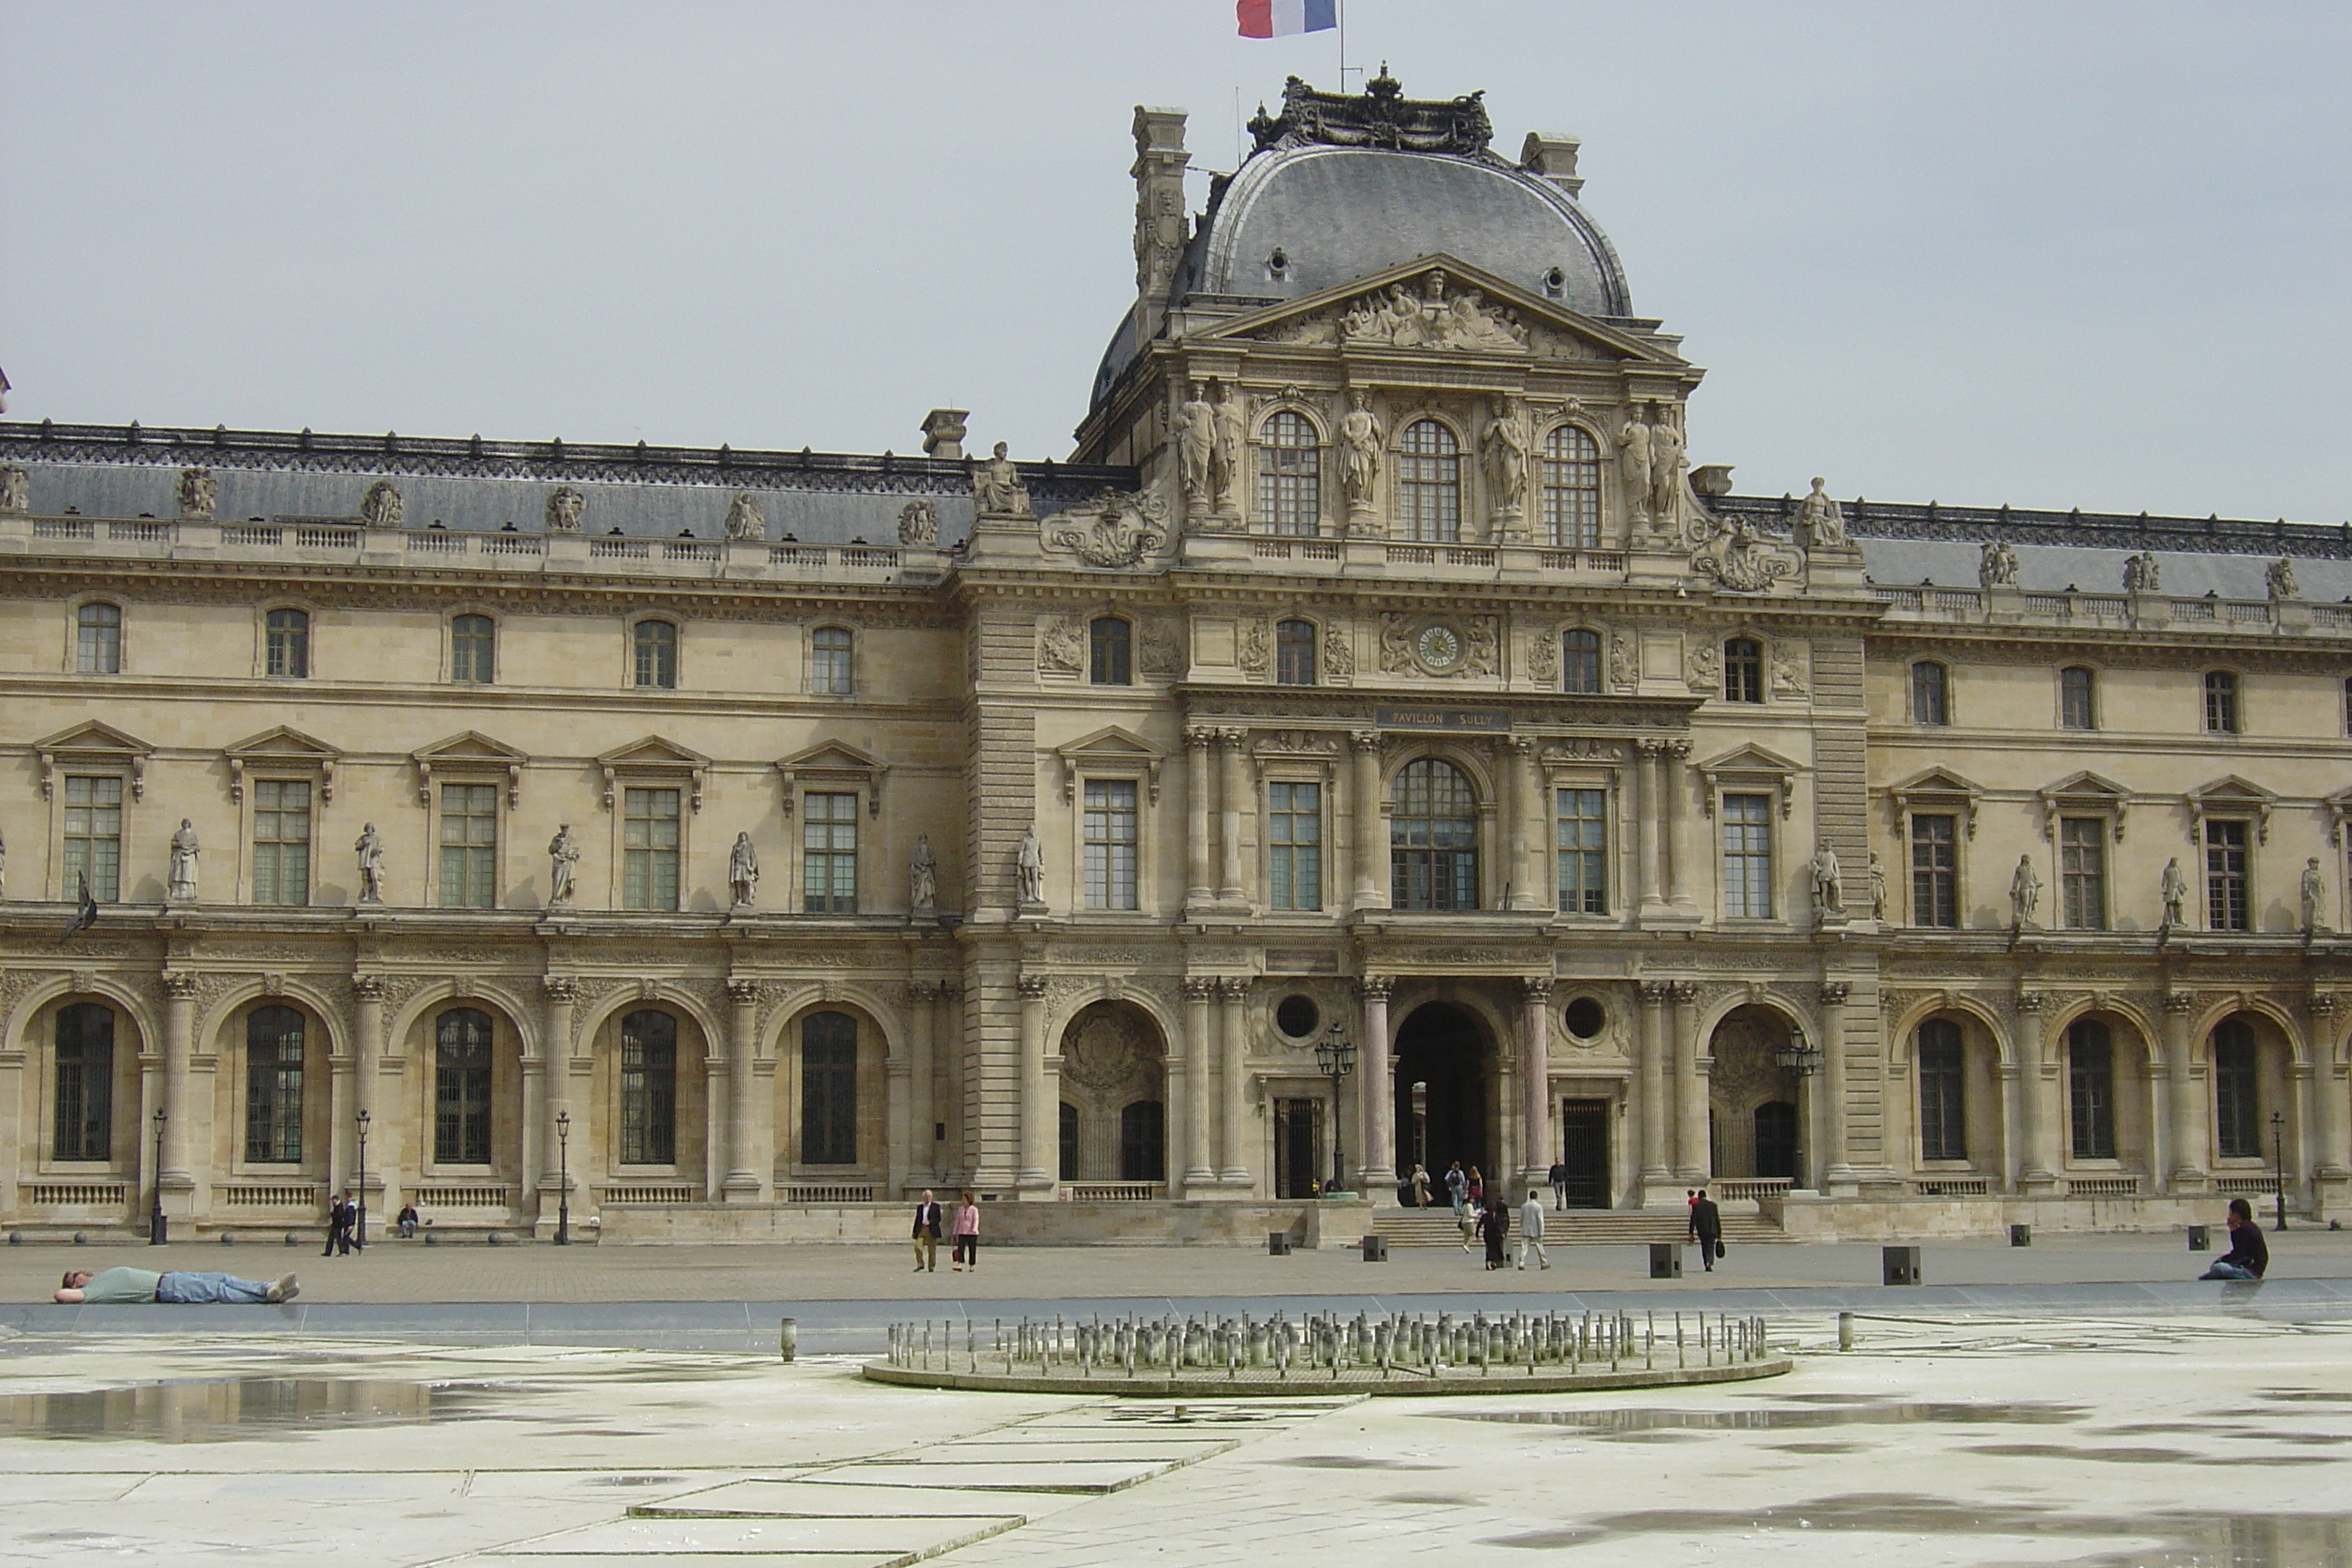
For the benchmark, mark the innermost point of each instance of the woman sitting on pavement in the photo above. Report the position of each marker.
(2248, 1256)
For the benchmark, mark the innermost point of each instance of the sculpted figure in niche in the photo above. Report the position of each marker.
(1030, 865)
(562, 856)
(2024, 893)
(197, 490)
(996, 487)
(1820, 525)
(1504, 445)
(1786, 682)
(922, 877)
(1997, 565)
(565, 508)
(1633, 464)
(745, 520)
(1196, 449)
(1666, 471)
(1877, 888)
(16, 489)
(381, 507)
(1232, 441)
(1359, 433)
(2278, 579)
(185, 851)
(743, 872)
(919, 524)
(3, 865)
(369, 850)
(1829, 884)
(2174, 888)
(2315, 896)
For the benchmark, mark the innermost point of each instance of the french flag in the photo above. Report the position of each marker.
(1280, 18)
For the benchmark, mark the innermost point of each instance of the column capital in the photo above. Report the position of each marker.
(368, 987)
(1235, 987)
(1676, 750)
(2033, 1001)
(1834, 993)
(1375, 987)
(1363, 740)
(1231, 735)
(1535, 987)
(2322, 1004)
(743, 992)
(1685, 991)
(1199, 737)
(179, 984)
(1657, 993)
(1522, 747)
(1199, 987)
(1032, 987)
(2179, 1002)
(558, 987)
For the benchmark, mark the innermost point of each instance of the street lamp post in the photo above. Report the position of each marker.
(159, 1229)
(564, 1178)
(1800, 1056)
(359, 1235)
(1335, 1054)
(2278, 1163)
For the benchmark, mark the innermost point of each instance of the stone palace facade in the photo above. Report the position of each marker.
(741, 841)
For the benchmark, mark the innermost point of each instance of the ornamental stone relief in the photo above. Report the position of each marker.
(1443, 648)
(1112, 1051)
(1112, 529)
(1061, 646)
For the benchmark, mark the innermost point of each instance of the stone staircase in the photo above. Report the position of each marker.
(1574, 1227)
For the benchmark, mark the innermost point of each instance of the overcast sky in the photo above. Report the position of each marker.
(2094, 255)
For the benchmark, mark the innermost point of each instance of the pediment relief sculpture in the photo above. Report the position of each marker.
(1113, 529)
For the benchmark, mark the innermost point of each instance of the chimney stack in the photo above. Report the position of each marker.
(1553, 157)
(1159, 220)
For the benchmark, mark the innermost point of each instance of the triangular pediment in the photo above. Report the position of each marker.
(94, 738)
(835, 764)
(1439, 304)
(836, 756)
(653, 751)
(2086, 790)
(1751, 759)
(1937, 781)
(469, 746)
(2086, 784)
(287, 743)
(1111, 747)
(2230, 787)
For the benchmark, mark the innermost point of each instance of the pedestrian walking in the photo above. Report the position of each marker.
(1420, 1186)
(966, 1251)
(1531, 1230)
(1707, 1228)
(927, 1235)
(1559, 1184)
(1474, 1189)
(1456, 1183)
(1495, 1225)
(339, 1218)
(2248, 1256)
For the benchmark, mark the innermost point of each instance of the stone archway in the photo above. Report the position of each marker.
(1756, 1124)
(1444, 1064)
(1114, 1089)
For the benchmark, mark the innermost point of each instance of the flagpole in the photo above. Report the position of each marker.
(1343, 46)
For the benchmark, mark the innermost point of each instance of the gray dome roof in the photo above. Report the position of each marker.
(1337, 214)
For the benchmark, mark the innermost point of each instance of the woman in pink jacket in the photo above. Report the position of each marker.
(967, 1234)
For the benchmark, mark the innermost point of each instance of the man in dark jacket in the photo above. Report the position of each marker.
(338, 1226)
(1560, 1186)
(2248, 1256)
(1707, 1228)
(927, 1235)
(1495, 1225)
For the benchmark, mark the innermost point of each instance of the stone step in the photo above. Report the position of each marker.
(1573, 1227)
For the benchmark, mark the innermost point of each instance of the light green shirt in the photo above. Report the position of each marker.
(117, 1287)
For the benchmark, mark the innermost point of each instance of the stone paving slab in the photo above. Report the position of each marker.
(781, 1499)
(1091, 1477)
(884, 1536)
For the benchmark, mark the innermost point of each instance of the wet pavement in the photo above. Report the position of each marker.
(2184, 1440)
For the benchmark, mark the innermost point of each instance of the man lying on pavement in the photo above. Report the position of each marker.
(116, 1287)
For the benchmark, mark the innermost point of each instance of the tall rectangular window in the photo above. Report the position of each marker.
(1294, 835)
(2226, 907)
(2220, 702)
(1934, 872)
(97, 639)
(829, 1090)
(273, 1085)
(830, 667)
(1290, 487)
(1110, 835)
(2082, 872)
(2237, 1098)
(829, 854)
(286, 643)
(473, 649)
(1110, 646)
(469, 847)
(1580, 838)
(1579, 663)
(1293, 653)
(281, 841)
(1748, 856)
(1930, 693)
(1429, 484)
(654, 649)
(1943, 1111)
(461, 1087)
(648, 1089)
(1743, 670)
(84, 1099)
(1571, 490)
(2091, 1089)
(2077, 700)
(94, 838)
(649, 841)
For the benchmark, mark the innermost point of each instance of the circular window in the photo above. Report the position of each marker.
(1297, 1016)
(1584, 1017)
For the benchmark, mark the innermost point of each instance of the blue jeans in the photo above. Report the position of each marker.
(2225, 1270)
(182, 1288)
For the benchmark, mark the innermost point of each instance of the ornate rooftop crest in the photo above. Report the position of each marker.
(1120, 530)
(1378, 116)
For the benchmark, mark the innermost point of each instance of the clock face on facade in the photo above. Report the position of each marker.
(1439, 646)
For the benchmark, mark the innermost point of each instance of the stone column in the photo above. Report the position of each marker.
(1376, 1094)
(1233, 994)
(1673, 789)
(1646, 825)
(741, 1183)
(1372, 839)
(367, 1052)
(1693, 1158)
(555, 1072)
(1535, 1144)
(1201, 847)
(2038, 1098)
(1835, 1167)
(1656, 1113)
(2302, 1119)
(2333, 1157)
(911, 1158)
(1200, 1057)
(1233, 890)
(179, 1044)
(1041, 1110)
(2011, 1124)
(1529, 886)
(2182, 1101)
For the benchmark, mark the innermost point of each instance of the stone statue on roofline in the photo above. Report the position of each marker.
(996, 487)
(919, 524)
(1997, 565)
(197, 490)
(565, 509)
(382, 506)
(745, 518)
(2278, 579)
(1820, 525)
(16, 489)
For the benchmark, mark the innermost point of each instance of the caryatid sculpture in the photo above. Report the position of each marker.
(1665, 472)
(1360, 439)
(1504, 448)
(1196, 450)
(743, 872)
(369, 850)
(563, 857)
(1634, 466)
(1231, 421)
(185, 851)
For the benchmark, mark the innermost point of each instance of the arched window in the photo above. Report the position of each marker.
(286, 639)
(654, 646)
(2077, 699)
(1143, 1142)
(829, 1090)
(2237, 1097)
(1289, 475)
(1571, 489)
(461, 1087)
(1429, 483)
(1929, 697)
(830, 669)
(2221, 702)
(273, 1085)
(1110, 643)
(83, 1102)
(2091, 1089)
(1069, 1166)
(473, 649)
(1743, 670)
(97, 639)
(1579, 663)
(1434, 838)
(648, 1089)
(1943, 1111)
(1293, 653)
(1775, 1124)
